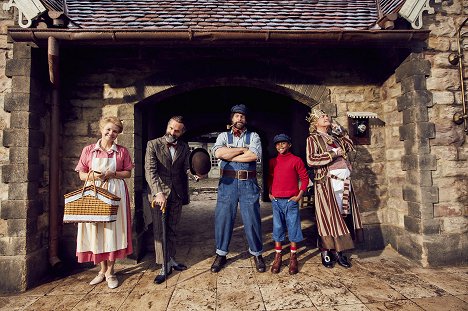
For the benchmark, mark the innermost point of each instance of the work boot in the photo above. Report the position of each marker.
(219, 263)
(259, 263)
(293, 264)
(275, 267)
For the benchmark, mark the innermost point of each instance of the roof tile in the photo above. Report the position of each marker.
(235, 14)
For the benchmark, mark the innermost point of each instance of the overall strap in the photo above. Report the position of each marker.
(230, 137)
(247, 138)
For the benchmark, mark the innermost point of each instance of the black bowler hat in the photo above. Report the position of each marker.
(239, 109)
(281, 137)
(200, 162)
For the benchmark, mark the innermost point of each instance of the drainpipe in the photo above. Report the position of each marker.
(53, 59)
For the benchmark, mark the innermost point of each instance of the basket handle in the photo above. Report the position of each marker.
(86, 181)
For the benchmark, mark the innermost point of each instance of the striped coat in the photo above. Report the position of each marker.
(335, 231)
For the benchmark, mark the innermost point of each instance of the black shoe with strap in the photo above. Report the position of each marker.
(327, 259)
(219, 263)
(259, 263)
(342, 260)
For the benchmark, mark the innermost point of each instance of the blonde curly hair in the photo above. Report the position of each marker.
(111, 119)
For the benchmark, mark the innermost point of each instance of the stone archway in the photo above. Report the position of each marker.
(151, 93)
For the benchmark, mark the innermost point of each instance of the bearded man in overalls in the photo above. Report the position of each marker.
(238, 150)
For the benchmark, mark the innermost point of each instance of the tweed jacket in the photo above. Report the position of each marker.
(164, 174)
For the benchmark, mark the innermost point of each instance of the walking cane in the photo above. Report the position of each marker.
(163, 220)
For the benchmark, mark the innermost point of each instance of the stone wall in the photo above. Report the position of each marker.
(446, 239)
(23, 211)
(369, 166)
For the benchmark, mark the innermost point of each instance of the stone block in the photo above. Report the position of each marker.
(444, 153)
(13, 272)
(21, 173)
(443, 97)
(444, 250)
(29, 138)
(424, 162)
(415, 114)
(26, 84)
(454, 225)
(443, 79)
(419, 177)
(126, 111)
(126, 140)
(431, 226)
(20, 209)
(439, 43)
(407, 132)
(413, 66)
(24, 155)
(448, 134)
(448, 209)
(412, 224)
(413, 83)
(25, 120)
(18, 67)
(421, 210)
(22, 50)
(23, 102)
(417, 145)
(415, 193)
(414, 99)
(12, 246)
(22, 191)
(425, 130)
(409, 246)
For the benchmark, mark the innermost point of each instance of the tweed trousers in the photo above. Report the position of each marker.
(173, 213)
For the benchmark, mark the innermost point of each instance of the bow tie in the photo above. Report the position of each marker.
(171, 145)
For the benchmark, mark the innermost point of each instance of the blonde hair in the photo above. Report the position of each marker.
(313, 117)
(111, 119)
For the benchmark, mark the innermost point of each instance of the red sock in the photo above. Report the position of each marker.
(278, 249)
(293, 249)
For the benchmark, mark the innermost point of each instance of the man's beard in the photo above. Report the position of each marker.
(238, 125)
(170, 138)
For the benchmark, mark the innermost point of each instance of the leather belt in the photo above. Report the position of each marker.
(241, 174)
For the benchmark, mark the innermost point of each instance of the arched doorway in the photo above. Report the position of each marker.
(207, 110)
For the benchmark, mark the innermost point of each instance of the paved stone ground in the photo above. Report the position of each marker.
(377, 281)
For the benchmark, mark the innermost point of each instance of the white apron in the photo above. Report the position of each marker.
(105, 237)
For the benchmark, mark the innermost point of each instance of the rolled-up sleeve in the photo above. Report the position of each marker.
(221, 141)
(256, 145)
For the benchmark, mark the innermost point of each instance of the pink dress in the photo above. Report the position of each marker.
(106, 241)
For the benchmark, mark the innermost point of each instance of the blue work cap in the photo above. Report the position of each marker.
(281, 137)
(239, 109)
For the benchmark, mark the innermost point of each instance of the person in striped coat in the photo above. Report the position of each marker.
(337, 211)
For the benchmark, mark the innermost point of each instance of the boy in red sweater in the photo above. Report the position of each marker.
(285, 170)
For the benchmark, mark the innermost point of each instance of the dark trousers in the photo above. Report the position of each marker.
(173, 212)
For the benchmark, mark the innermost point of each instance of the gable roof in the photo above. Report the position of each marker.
(226, 14)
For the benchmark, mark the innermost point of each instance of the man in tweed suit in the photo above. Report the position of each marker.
(166, 170)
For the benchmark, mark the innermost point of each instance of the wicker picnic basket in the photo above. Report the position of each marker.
(90, 204)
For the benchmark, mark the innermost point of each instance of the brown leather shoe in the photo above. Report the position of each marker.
(275, 267)
(293, 264)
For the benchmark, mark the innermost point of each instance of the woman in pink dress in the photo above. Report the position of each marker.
(105, 242)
